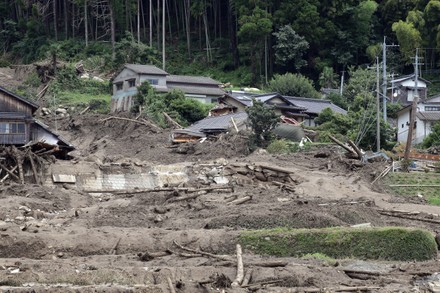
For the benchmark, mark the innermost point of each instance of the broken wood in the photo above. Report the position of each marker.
(171, 121)
(382, 174)
(188, 197)
(340, 289)
(275, 168)
(240, 269)
(115, 247)
(7, 175)
(240, 200)
(284, 186)
(10, 172)
(147, 256)
(403, 216)
(85, 110)
(185, 189)
(247, 277)
(356, 149)
(34, 170)
(221, 257)
(235, 125)
(170, 285)
(43, 91)
(182, 254)
(371, 273)
(341, 144)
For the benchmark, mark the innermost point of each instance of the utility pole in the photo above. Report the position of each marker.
(384, 84)
(377, 106)
(413, 109)
(151, 23)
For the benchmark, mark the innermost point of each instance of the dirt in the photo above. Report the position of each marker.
(66, 240)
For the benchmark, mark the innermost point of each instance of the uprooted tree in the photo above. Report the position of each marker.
(262, 119)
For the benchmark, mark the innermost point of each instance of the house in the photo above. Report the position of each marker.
(303, 110)
(19, 127)
(125, 82)
(403, 89)
(428, 113)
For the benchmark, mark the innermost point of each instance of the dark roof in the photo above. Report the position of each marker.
(198, 90)
(12, 115)
(406, 77)
(428, 115)
(192, 80)
(315, 106)
(24, 100)
(220, 123)
(146, 69)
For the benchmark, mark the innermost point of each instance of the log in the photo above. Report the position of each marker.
(335, 140)
(184, 254)
(196, 251)
(235, 125)
(284, 186)
(356, 149)
(188, 197)
(403, 216)
(340, 289)
(247, 277)
(371, 273)
(240, 200)
(171, 285)
(147, 256)
(171, 121)
(186, 189)
(240, 269)
(382, 174)
(85, 110)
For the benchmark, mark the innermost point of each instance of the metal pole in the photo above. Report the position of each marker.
(384, 85)
(377, 106)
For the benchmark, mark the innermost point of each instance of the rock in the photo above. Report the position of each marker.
(85, 76)
(60, 254)
(25, 209)
(98, 79)
(213, 172)
(158, 219)
(60, 111)
(160, 210)
(221, 180)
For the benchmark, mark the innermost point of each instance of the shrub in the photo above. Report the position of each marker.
(392, 243)
(279, 146)
(295, 85)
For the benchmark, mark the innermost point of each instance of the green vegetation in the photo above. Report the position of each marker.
(371, 243)
(420, 180)
(433, 139)
(294, 85)
(262, 120)
(282, 146)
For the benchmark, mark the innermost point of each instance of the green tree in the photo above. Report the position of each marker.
(409, 39)
(328, 78)
(262, 120)
(295, 85)
(290, 47)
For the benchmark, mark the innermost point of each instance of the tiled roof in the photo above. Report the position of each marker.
(24, 100)
(146, 69)
(315, 106)
(198, 90)
(220, 123)
(191, 80)
(428, 115)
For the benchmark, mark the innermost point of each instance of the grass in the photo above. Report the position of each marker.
(431, 194)
(389, 243)
(73, 98)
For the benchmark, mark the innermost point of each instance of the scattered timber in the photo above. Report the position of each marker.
(196, 251)
(247, 277)
(344, 146)
(407, 215)
(171, 122)
(184, 189)
(115, 247)
(171, 285)
(240, 268)
(240, 200)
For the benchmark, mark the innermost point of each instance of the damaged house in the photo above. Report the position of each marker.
(126, 81)
(19, 127)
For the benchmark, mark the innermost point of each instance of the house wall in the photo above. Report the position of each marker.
(12, 104)
(15, 138)
(38, 133)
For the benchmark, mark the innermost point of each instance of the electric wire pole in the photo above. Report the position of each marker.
(384, 89)
(413, 108)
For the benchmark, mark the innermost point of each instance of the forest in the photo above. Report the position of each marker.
(243, 41)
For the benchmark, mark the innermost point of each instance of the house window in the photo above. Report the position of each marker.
(153, 81)
(119, 86)
(432, 108)
(132, 83)
(402, 125)
(12, 128)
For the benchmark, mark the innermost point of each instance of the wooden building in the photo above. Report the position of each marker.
(19, 127)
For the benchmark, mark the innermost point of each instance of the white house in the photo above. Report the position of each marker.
(403, 89)
(428, 113)
(125, 82)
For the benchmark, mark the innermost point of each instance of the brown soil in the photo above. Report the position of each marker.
(69, 243)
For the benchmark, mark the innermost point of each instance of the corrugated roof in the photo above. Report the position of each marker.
(146, 69)
(315, 106)
(217, 122)
(428, 115)
(60, 138)
(191, 79)
(198, 90)
(24, 100)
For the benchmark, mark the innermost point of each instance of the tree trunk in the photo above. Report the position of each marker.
(151, 23)
(86, 24)
(54, 6)
(139, 21)
(112, 29)
(232, 29)
(66, 21)
(187, 5)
